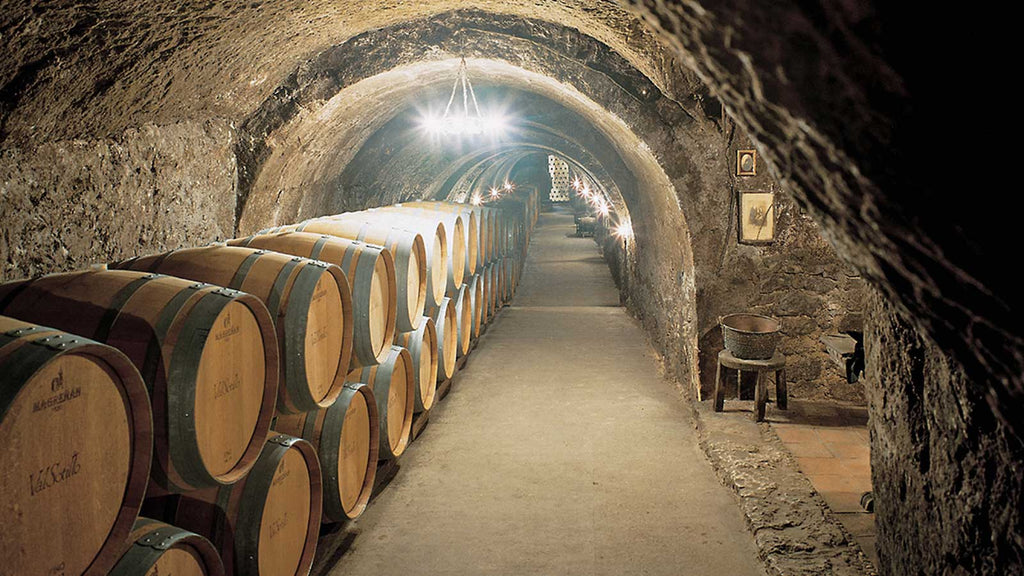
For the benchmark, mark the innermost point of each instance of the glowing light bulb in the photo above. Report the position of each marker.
(508, 186)
(576, 183)
(494, 123)
(495, 193)
(463, 124)
(433, 124)
(624, 230)
(477, 200)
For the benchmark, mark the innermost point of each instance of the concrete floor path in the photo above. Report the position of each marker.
(560, 450)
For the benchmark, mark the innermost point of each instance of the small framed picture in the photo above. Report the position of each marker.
(756, 217)
(746, 162)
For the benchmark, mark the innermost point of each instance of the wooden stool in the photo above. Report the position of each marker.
(776, 363)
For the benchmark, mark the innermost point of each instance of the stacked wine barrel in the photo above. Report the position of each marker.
(239, 394)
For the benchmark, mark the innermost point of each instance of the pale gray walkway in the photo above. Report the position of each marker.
(560, 451)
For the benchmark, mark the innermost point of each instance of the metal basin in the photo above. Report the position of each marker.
(750, 336)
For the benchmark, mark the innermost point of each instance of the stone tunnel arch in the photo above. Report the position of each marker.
(364, 129)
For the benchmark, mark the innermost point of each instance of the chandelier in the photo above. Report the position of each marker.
(468, 121)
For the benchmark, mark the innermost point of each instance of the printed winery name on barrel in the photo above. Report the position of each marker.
(60, 396)
(282, 473)
(278, 524)
(227, 329)
(54, 474)
(226, 386)
(319, 335)
(319, 293)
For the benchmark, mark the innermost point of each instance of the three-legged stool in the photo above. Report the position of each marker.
(776, 363)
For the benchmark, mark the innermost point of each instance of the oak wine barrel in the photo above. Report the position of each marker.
(267, 524)
(483, 218)
(491, 217)
(501, 232)
(392, 385)
(512, 269)
(469, 221)
(464, 319)
(208, 356)
(504, 278)
(422, 346)
(158, 549)
(490, 292)
(371, 275)
(515, 214)
(496, 299)
(455, 232)
(310, 302)
(346, 437)
(500, 280)
(407, 249)
(77, 438)
(476, 302)
(445, 324)
(482, 229)
(435, 244)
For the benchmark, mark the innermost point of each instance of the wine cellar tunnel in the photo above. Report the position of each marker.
(135, 130)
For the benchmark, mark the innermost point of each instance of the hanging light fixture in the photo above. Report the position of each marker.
(468, 121)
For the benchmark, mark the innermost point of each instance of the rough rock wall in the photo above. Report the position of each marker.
(948, 476)
(846, 110)
(813, 292)
(798, 279)
(67, 205)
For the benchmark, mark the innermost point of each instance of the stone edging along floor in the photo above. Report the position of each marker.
(795, 531)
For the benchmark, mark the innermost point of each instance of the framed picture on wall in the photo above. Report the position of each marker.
(746, 162)
(756, 217)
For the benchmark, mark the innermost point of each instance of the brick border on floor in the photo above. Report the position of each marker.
(795, 532)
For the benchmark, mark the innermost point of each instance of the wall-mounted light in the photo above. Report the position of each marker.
(624, 230)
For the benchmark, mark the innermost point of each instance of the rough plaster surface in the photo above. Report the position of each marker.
(87, 69)
(67, 205)
(947, 474)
